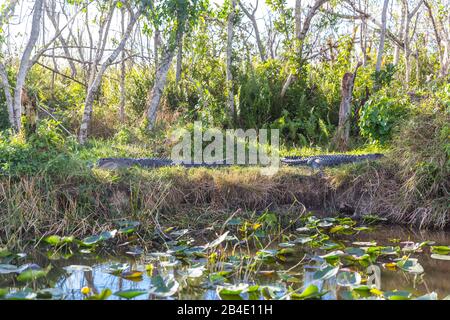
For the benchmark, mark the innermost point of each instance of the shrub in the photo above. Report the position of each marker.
(46, 150)
(421, 152)
(379, 116)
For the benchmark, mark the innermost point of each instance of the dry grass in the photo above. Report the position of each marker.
(412, 184)
(33, 207)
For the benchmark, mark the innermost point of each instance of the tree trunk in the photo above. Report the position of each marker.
(400, 36)
(51, 16)
(156, 45)
(8, 96)
(442, 40)
(298, 18)
(229, 73)
(343, 131)
(301, 36)
(25, 62)
(122, 73)
(382, 36)
(252, 18)
(179, 59)
(94, 86)
(155, 95)
(408, 17)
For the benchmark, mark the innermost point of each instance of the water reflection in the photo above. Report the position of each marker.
(98, 278)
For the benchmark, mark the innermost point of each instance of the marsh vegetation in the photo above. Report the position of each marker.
(82, 80)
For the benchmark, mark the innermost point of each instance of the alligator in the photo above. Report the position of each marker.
(315, 162)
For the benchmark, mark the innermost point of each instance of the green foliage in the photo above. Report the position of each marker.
(302, 116)
(384, 77)
(4, 120)
(379, 116)
(45, 151)
(137, 83)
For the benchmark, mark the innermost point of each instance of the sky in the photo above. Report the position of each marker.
(18, 29)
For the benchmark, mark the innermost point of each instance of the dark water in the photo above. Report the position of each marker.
(435, 278)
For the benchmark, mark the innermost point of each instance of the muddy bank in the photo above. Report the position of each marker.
(32, 207)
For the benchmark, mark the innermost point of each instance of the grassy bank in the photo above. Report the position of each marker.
(47, 186)
(36, 206)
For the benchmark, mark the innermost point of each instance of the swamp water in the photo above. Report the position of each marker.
(330, 258)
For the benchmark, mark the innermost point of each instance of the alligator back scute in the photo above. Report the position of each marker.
(115, 163)
(328, 160)
(313, 161)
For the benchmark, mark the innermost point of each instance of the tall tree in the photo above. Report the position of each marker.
(441, 34)
(301, 34)
(25, 61)
(229, 71)
(408, 35)
(97, 78)
(5, 15)
(178, 15)
(251, 15)
(382, 35)
(343, 131)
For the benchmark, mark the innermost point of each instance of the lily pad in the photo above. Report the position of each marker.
(218, 241)
(310, 292)
(233, 290)
(440, 249)
(130, 294)
(33, 274)
(103, 295)
(326, 273)
(77, 268)
(348, 279)
(8, 268)
(3, 292)
(21, 295)
(430, 296)
(132, 275)
(194, 272)
(55, 240)
(440, 257)
(410, 265)
(164, 286)
(92, 240)
(397, 295)
(50, 293)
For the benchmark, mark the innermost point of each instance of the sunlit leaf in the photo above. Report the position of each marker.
(232, 290)
(130, 294)
(218, 241)
(195, 272)
(310, 292)
(33, 274)
(397, 295)
(103, 295)
(440, 249)
(333, 255)
(132, 274)
(3, 292)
